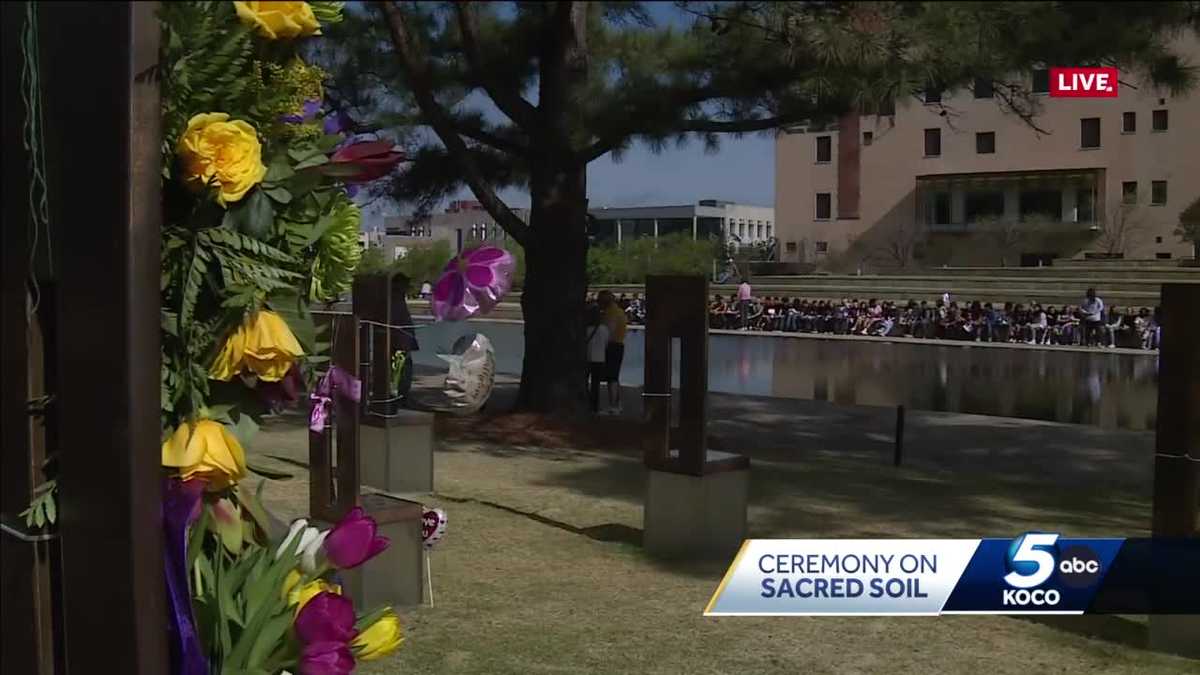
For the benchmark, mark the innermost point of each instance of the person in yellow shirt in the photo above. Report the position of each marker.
(614, 352)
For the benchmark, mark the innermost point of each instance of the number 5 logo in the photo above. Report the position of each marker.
(1030, 563)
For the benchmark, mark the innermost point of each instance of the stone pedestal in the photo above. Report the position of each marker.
(396, 576)
(697, 516)
(396, 452)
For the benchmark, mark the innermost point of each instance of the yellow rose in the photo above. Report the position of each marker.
(227, 155)
(379, 639)
(205, 450)
(277, 20)
(263, 344)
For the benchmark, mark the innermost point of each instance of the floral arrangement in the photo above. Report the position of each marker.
(259, 223)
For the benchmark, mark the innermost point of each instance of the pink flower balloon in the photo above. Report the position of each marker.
(473, 282)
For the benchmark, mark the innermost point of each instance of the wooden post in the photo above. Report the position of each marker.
(26, 607)
(1177, 449)
(103, 116)
(1177, 444)
(333, 493)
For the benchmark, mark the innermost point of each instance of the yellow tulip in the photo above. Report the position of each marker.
(276, 20)
(222, 153)
(299, 595)
(205, 450)
(262, 344)
(379, 639)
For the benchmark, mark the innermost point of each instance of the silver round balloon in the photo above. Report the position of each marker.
(472, 373)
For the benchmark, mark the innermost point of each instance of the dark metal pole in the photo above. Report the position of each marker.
(899, 453)
(103, 116)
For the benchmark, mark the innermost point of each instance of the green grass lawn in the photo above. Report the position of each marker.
(540, 572)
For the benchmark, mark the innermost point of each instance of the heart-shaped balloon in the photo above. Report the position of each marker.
(473, 282)
(433, 526)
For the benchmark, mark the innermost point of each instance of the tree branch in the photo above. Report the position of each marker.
(474, 130)
(510, 102)
(419, 79)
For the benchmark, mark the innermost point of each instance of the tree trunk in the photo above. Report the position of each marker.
(553, 374)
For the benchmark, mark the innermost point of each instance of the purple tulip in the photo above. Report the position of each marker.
(353, 540)
(326, 658)
(473, 282)
(336, 123)
(327, 617)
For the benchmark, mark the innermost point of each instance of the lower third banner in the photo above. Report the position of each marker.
(1034, 573)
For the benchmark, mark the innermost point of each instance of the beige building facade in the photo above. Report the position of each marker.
(961, 182)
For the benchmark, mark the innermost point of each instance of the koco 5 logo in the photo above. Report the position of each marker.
(1034, 558)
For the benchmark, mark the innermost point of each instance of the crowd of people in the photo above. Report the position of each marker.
(1090, 323)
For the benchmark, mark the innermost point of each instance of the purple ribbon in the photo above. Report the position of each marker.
(180, 508)
(336, 382)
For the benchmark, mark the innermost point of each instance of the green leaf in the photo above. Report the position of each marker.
(303, 151)
(254, 216)
(268, 638)
(252, 503)
(315, 160)
(327, 143)
(245, 429)
(51, 507)
(368, 619)
(278, 193)
(196, 537)
(279, 170)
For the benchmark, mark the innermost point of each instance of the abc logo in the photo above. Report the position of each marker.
(1078, 567)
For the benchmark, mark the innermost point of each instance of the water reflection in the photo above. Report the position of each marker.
(1097, 388)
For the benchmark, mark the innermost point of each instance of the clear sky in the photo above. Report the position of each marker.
(743, 170)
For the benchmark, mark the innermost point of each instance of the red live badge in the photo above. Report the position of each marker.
(1083, 82)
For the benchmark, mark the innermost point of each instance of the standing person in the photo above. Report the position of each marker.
(614, 352)
(744, 296)
(1093, 317)
(426, 290)
(597, 350)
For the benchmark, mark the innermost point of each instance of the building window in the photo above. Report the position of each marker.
(1038, 204)
(1163, 256)
(940, 209)
(1085, 205)
(1129, 192)
(824, 205)
(1158, 192)
(768, 230)
(824, 149)
(791, 247)
(1158, 240)
(1158, 120)
(1041, 81)
(933, 142)
(984, 205)
(933, 93)
(985, 143)
(983, 87)
(760, 230)
(1128, 122)
(822, 247)
(868, 137)
(1089, 132)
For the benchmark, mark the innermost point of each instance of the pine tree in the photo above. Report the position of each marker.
(570, 82)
